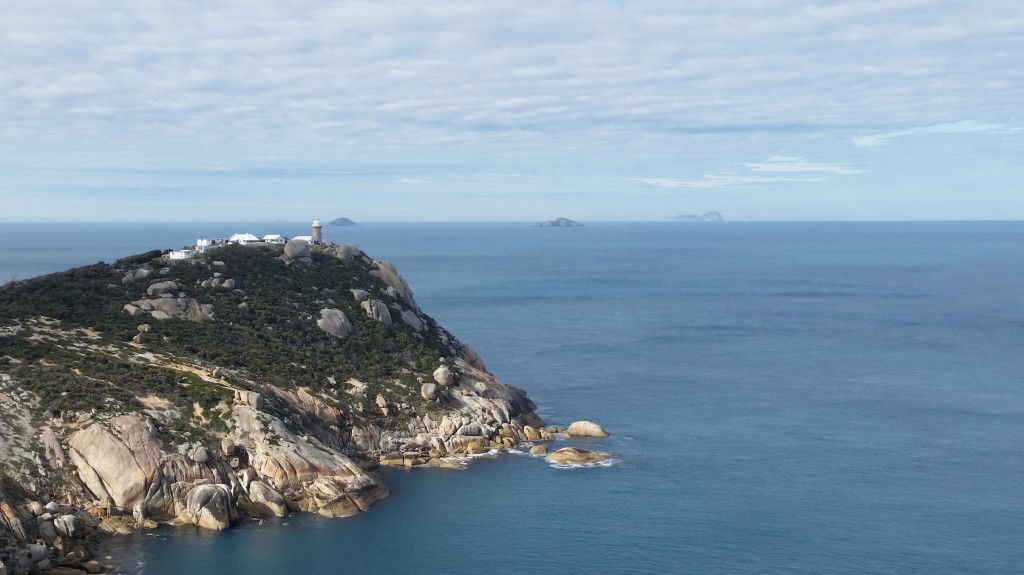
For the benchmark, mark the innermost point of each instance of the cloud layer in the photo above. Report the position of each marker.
(400, 91)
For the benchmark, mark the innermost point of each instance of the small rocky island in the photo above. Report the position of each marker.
(249, 380)
(341, 222)
(705, 217)
(559, 223)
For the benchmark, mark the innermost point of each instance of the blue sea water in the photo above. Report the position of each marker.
(791, 398)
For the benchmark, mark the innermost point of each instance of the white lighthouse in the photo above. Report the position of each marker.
(317, 229)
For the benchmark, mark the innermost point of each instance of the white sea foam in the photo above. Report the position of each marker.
(462, 461)
(490, 453)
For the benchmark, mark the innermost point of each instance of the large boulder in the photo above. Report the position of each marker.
(335, 497)
(334, 322)
(346, 252)
(208, 506)
(412, 320)
(163, 287)
(444, 376)
(573, 456)
(250, 398)
(267, 499)
(296, 249)
(68, 526)
(53, 449)
(136, 275)
(116, 464)
(586, 429)
(428, 391)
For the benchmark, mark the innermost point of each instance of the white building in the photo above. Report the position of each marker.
(275, 239)
(243, 239)
(308, 239)
(180, 255)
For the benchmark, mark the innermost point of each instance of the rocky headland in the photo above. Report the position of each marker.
(250, 381)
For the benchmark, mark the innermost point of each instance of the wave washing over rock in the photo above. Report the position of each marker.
(250, 381)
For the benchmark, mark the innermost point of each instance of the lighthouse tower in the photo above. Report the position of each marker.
(317, 229)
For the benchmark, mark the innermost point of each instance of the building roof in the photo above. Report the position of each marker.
(308, 239)
(269, 237)
(243, 238)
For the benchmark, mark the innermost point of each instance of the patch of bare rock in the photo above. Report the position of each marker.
(568, 456)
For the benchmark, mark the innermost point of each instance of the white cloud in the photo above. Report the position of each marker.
(791, 164)
(560, 88)
(775, 164)
(411, 181)
(712, 181)
(965, 127)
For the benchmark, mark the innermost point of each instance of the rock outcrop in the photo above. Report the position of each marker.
(585, 429)
(386, 271)
(377, 310)
(117, 462)
(164, 308)
(443, 376)
(208, 506)
(567, 456)
(334, 322)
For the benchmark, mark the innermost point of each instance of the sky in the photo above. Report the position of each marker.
(497, 110)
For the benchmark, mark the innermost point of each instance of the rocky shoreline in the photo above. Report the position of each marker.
(60, 538)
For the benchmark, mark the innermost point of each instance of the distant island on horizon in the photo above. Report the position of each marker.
(341, 222)
(705, 217)
(559, 223)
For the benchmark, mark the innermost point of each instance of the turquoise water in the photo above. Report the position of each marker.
(792, 398)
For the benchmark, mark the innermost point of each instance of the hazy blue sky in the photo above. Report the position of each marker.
(510, 110)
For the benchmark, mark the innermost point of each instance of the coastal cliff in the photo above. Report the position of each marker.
(250, 381)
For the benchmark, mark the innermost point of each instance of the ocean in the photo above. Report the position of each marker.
(783, 398)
